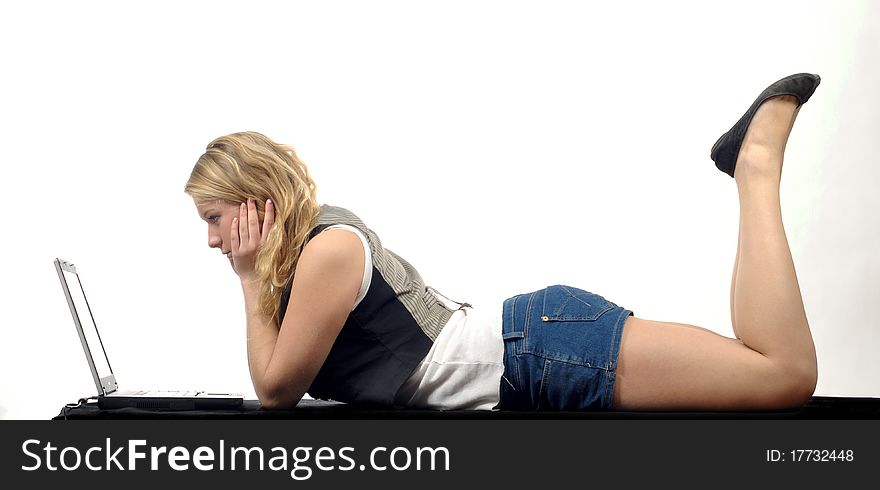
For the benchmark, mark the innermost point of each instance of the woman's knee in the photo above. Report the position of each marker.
(797, 383)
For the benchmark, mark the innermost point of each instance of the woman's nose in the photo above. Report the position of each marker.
(213, 241)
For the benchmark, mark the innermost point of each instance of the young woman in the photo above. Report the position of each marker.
(332, 312)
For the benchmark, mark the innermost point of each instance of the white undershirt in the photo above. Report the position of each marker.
(368, 262)
(463, 369)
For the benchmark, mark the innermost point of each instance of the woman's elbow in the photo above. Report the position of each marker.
(279, 398)
(275, 404)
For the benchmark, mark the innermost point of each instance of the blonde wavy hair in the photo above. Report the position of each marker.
(249, 165)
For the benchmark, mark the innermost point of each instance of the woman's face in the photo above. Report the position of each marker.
(218, 215)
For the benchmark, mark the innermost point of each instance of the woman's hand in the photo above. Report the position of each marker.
(248, 237)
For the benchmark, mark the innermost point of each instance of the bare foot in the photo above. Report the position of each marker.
(763, 146)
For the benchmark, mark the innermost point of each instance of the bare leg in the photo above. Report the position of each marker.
(768, 305)
(767, 146)
(733, 284)
(665, 365)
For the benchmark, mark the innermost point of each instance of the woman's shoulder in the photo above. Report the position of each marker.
(331, 265)
(333, 245)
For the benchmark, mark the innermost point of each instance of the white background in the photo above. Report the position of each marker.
(499, 146)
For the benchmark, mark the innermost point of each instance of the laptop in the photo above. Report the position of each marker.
(109, 395)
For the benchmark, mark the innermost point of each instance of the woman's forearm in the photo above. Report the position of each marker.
(262, 336)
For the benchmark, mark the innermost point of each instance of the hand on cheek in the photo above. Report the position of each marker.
(247, 236)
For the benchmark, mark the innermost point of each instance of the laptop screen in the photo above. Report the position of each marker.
(83, 316)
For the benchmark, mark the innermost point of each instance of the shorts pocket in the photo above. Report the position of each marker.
(565, 303)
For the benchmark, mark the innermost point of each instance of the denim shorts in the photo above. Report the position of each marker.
(560, 350)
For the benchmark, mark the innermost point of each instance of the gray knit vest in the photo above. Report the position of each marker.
(387, 335)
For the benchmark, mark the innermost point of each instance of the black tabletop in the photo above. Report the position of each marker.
(819, 407)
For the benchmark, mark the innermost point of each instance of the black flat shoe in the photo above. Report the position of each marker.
(726, 149)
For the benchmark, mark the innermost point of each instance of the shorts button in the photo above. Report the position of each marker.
(545, 318)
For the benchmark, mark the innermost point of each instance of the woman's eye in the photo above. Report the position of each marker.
(213, 219)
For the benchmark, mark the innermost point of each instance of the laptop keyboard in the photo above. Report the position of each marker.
(167, 393)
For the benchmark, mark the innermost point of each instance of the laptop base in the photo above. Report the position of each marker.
(111, 402)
